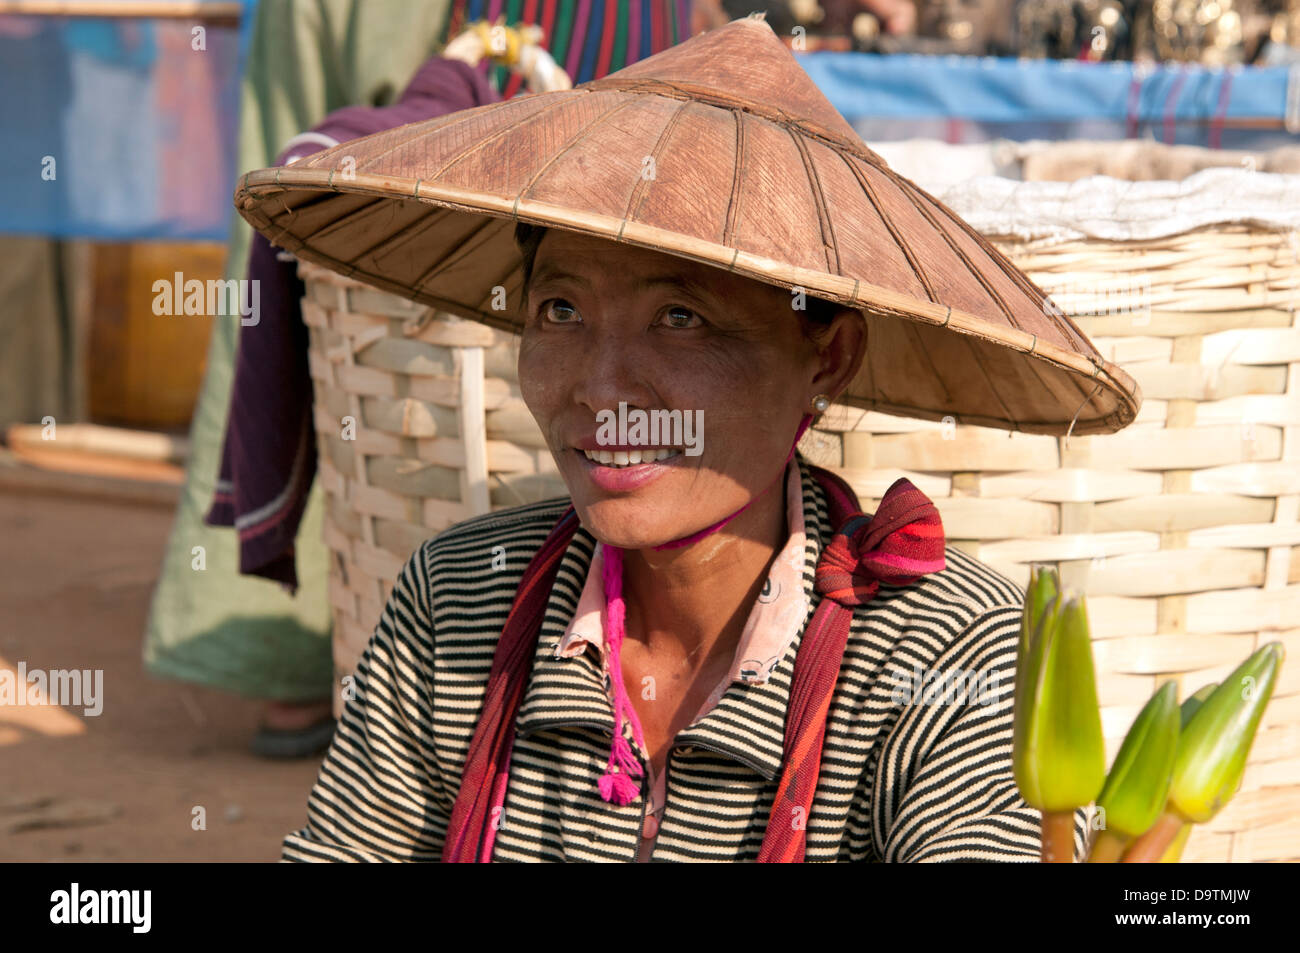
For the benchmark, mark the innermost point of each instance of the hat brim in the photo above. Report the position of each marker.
(470, 237)
(719, 150)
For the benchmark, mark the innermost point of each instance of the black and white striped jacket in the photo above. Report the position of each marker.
(913, 767)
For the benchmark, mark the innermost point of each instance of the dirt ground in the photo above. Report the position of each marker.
(76, 577)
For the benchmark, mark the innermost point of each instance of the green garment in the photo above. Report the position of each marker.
(211, 625)
(40, 361)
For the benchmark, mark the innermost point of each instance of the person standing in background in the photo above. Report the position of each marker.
(305, 60)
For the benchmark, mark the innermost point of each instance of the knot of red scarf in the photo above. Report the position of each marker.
(901, 542)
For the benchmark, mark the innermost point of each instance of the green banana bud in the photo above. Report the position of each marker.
(1059, 757)
(1044, 587)
(1044, 590)
(1214, 746)
(1192, 704)
(1138, 783)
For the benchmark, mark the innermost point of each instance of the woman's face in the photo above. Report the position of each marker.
(607, 323)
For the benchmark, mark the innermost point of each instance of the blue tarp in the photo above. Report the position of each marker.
(969, 99)
(119, 128)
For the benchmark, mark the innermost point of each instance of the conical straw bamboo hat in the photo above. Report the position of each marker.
(721, 150)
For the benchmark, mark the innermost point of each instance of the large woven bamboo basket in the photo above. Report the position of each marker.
(1182, 529)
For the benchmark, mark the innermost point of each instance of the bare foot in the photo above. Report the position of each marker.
(294, 716)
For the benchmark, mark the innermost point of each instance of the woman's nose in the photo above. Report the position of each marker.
(608, 368)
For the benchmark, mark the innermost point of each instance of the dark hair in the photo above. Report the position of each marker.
(816, 317)
(528, 237)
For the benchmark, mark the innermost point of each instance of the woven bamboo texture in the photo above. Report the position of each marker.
(1181, 529)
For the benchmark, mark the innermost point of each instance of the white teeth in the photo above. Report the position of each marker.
(626, 458)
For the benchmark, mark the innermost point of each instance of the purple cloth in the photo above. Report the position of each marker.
(268, 460)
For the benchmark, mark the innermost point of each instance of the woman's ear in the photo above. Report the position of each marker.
(840, 351)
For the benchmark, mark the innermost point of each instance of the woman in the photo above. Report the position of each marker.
(707, 653)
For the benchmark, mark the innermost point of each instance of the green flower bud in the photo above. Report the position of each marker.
(1138, 783)
(1213, 748)
(1059, 757)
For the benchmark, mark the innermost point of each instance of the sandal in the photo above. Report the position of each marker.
(299, 743)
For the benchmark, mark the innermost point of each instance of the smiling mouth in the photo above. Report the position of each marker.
(629, 458)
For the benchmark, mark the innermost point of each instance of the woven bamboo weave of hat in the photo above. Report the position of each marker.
(720, 150)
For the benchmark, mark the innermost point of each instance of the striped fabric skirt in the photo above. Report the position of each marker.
(588, 38)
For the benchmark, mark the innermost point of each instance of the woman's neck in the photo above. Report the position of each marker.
(695, 600)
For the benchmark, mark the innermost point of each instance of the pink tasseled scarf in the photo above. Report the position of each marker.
(901, 542)
(616, 784)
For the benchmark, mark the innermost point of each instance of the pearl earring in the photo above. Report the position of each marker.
(820, 403)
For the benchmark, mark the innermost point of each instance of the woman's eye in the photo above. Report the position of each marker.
(559, 311)
(682, 318)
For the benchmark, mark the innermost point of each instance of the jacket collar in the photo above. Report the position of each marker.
(748, 723)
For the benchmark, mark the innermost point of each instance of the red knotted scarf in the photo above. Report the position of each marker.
(902, 541)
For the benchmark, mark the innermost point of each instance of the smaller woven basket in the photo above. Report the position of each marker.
(419, 425)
